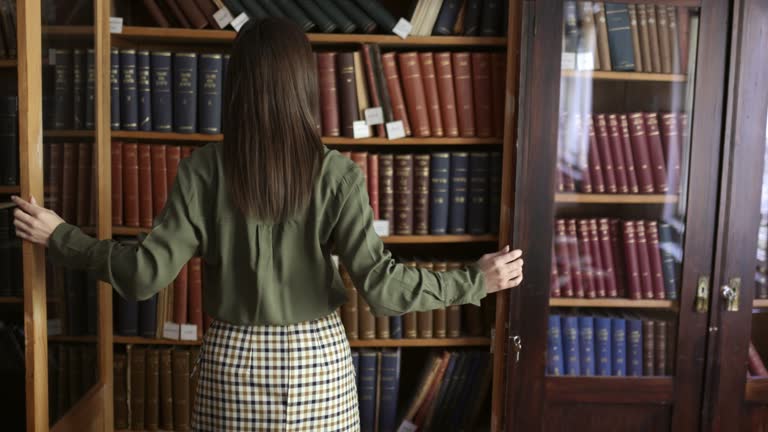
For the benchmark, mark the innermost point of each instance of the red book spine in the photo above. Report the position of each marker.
(193, 14)
(181, 295)
(208, 9)
(563, 261)
(595, 169)
(658, 166)
(131, 184)
(172, 158)
(447, 94)
(159, 179)
(601, 286)
(569, 170)
(577, 277)
(603, 228)
(462, 81)
(654, 255)
(604, 149)
(387, 189)
(755, 363)
(69, 183)
(554, 283)
(373, 183)
(619, 166)
(587, 269)
(373, 89)
(117, 183)
(618, 256)
(196, 294)
(361, 160)
(83, 183)
(395, 91)
(498, 91)
(403, 194)
(629, 160)
(329, 103)
(670, 133)
(156, 13)
(186, 151)
(631, 260)
(176, 10)
(644, 260)
(145, 186)
(481, 89)
(640, 152)
(55, 177)
(415, 98)
(428, 75)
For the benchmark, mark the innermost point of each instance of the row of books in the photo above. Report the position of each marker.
(627, 37)
(440, 94)
(12, 367)
(154, 388)
(377, 375)
(9, 140)
(7, 29)
(69, 89)
(10, 257)
(73, 305)
(602, 345)
(621, 153)
(605, 257)
(452, 322)
(434, 193)
(755, 364)
(69, 174)
(72, 371)
(460, 17)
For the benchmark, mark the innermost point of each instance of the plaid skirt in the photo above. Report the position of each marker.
(297, 377)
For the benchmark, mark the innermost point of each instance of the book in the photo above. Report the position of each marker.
(147, 311)
(619, 37)
(78, 89)
(440, 166)
(421, 186)
(570, 36)
(645, 38)
(653, 38)
(181, 295)
(604, 148)
(446, 18)
(570, 328)
(403, 193)
(120, 391)
(669, 264)
(361, 20)
(632, 263)
(329, 106)
(656, 153)
(635, 31)
(619, 346)
(498, 92)
(634, 347)
(178, 14)
(129, 96)
(428, 75)
(389, 67)
(166, 389)
(195, 303)
(555, 363)
(606, 256)
(472, 14)
(9, 141)
(159, 184)
(376, 87)
(386, 189)
(193, 14)
(361, 91)
(660, 348)
(587, 345)
(389, 386)
(673, 149)
(347, 93)
(562, 258)
(643, 259)
(617, 152)
(603, 346)
(640, 151)
(662, 24)
(462, 79)
(373, 183)
(84, 180)
(114, 79)
(296, 14)
(181, 397)
(649, 352)
(160, 89)
(69, 181)
(435, 412)
(116, 159)
(185, 78)
(629, 159)
(587, 262)
(137, 384)
(63, 89)
(320, 17)
(210, 87)
(603, 46)
(415, 96)
(595, 169)
(574, 259)
(654, 258)
(459, 170)
(481, 90)
(365, 320)
(491, 17)
(152, 390)
(145, 185)
(381, 15)
(367, 390)
(446, 93)
(494, 192)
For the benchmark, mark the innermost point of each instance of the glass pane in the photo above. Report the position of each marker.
(759, 346)
(70, 190)
(623, 149)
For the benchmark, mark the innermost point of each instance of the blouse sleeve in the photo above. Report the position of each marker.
(388, 287)
(136, 270)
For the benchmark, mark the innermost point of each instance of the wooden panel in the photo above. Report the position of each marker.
(612, 303)
(609, 390)
(607, 418)
(87, 414)
(579, 198)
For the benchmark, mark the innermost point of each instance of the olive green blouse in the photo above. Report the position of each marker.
(261, 273)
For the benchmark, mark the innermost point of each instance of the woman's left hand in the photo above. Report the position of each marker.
(34, 223)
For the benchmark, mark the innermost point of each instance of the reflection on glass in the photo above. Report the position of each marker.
(757, 346)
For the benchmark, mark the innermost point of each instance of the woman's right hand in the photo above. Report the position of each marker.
(502, 269)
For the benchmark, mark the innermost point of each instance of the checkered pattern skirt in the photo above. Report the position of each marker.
(297, 377)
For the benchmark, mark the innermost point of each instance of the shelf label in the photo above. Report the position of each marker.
(188, 332)
(115, 24)
(402, 28)
(374, 116)
(585, 61)
(395, 130)
(568, 61)
(381, 227)
(223, 17)
(406, 426)
(360, 129)
(171, 330)
(239, 21)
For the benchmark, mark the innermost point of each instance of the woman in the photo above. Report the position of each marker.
(266, 209)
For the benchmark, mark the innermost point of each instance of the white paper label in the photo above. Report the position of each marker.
(239, 21)
(585, 61)
(402, 28)
(568, 61)
(381, 227)
(115, 24)
(223, 17)
(52, 56)
(54, 327)
(374, 116)
(395, 130)
(360, 129)
(171, 330)
(406, 426)
(188, 332)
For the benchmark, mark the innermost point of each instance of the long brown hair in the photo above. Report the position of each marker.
(272, 151)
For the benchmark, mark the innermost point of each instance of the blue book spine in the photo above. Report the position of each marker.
(127, 317)
(555, 365)
(396, 327)
(457, 216)
(619, 37)
(619, 346)
(209, 93)
(145, 90)
(63, 90)
(635, 346)
(570, 328)
(356, 367)
(446, 19)
(162, 98)
(477, 209)
(439, 196)
(129, 93)
(465, 389)
(442, 392)
(148, 317)
(114, 82)
(90, 89)
(185, 92)
(390, 383)
(367, 390)
(78, 89)
(603, 346)
(587, 345)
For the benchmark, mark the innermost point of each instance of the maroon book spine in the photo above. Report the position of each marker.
(117, 182)
(131, 184)
(208, 9)
(421, 194)
(593, 161)
(656, 152)
(329, 103)
(619, 166)
(563, 259)
(462, 79)
(83, 183)
(415, 97)
(373, 89)
(446, 94)
(629, 160)
(601, 287)
(176, 10)
(554, 283)
(640, 152)
(670, 134)
(481, 89)
(632, 265)
(603, 229)
(145, 186)
(373, 183)
(361, 160)
(654, 255)
(575, 262)
(172, 159)
(387, 189)
(156, 13)
(159, 179)
(428, 74)
(618, 257)
(403, 183)
(69, 183)
(644, 260)
(588, 267)
(498, 91)
(569, 171)
(395, 91)
(193, 14)
(604, 149)
(347, 91)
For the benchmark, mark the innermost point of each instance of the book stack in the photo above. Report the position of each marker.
(10, 257)
(755, 364)
(627, 37)
(69, 89)
(452, 322)
(154, 388)
(434, 94)
(9, 140)
(73, 297)
(636, 259)
(633, 153)
(608, 345)
(434, 193)
(7, 29)
(70, 181)
(72, 371)
(459, 17)
(378, 380)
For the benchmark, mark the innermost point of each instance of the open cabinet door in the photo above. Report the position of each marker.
(617, 196)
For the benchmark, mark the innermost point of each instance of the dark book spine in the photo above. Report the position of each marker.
(209, 92)
(374, 87)
(356, 15)
(9, 139)
(562, 259)
(317, 15)
(631, 261)
(387, 189)
(127, 317)
(403, 194)
(606, 252)
(644, 260)
(329, 103)
(235, 7)
(457, 211)
(137, 382)
(593, 158)
(120, 392)
(494, 192)
(375, 10)
(619, 346)
(152, 390)
(367, 390)
(477, 210)
(585, 253)
(90, 89)
(481, 90)
(669, 264)
(341, 21)
(69, 182)
(490, 17)
(634, 347)
(462, 78)
(570, 328)
(439, 192)
(614, 228)
(421, 177)
(159, 179)
(78, 89)
(294, 12)
(603, 346)
(670, 133)
(166, 390)
(63, 90)
(660, 348)
(446, 19)
(193, 13)
(619, 37)
(145, 90)
(84, 151)
(656, 153)
(498, 91)
(208, 8)
(129, 96)
(389, 370)
(130, 184)
(270, 7)
(185, 92)
(181, 397)
(396, 327)
(381, 83)
(472, 17)
(255, 10)
(173, 6)
(148, 317)
(373, 184)
(576, 263)
(162, 99)
(555, 364)
(347, 91)
(654, 257)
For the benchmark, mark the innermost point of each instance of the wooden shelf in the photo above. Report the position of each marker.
(165, 136)
(8, 63)
(144, 35)
(56, 133)
(757, 390)
(441, 342)
(584, 198)
(639, 390)
(73, 339)
(11, 300)
(612, 303)
(69, 31)
(624, 76)
(760, 303)
(136, 340)
(8, 190)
